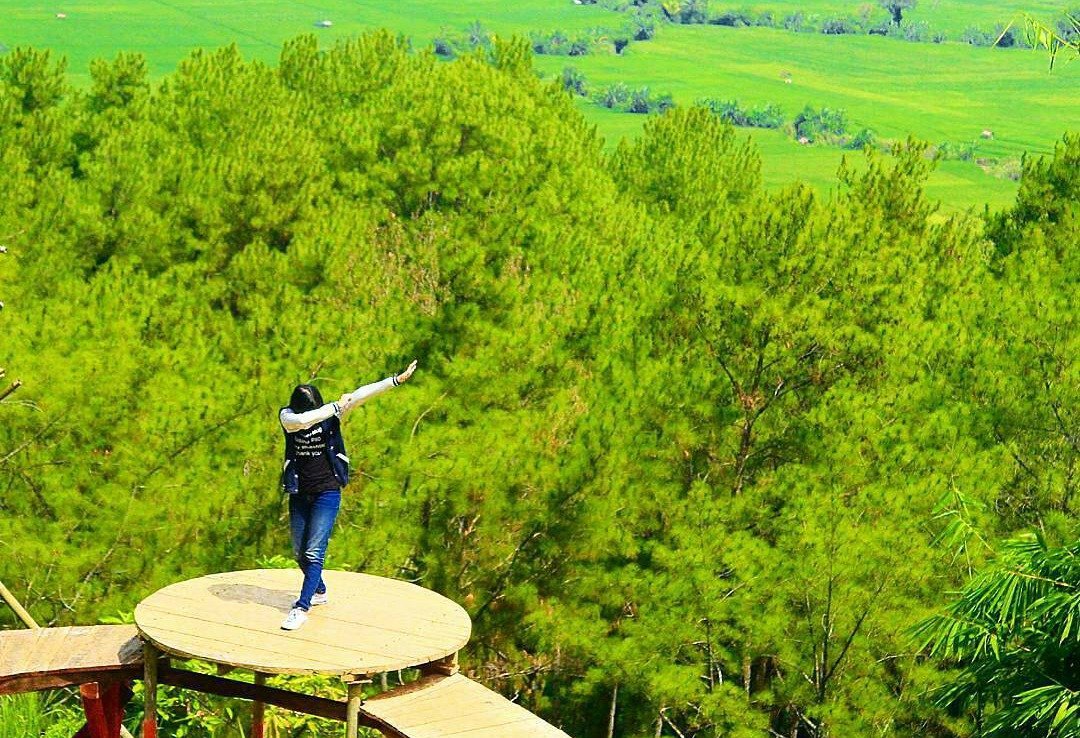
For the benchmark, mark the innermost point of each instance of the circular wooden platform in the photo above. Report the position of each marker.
(371, 625)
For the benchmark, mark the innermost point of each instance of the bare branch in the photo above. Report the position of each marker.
(14, 386)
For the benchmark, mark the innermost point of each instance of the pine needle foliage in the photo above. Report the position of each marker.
(693, 455)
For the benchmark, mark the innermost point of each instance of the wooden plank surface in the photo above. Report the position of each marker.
(372, 624)
(47, 657)
(454, 707)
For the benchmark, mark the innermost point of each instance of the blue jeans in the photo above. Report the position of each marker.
(311, 519)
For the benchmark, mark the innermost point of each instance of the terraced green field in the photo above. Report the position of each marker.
(937, 92)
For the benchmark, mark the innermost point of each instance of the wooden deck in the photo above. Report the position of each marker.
(445, 706)
(47, 658)
(372, 624)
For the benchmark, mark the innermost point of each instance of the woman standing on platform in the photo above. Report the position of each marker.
(316, 468)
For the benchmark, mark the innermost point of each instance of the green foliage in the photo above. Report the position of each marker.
(574, 82)
(897, 8)
(558, 43)
(1014, 633)
(861, 140)
(22, 716)
(39, 715)
(765, 116)
(31, 79)
(679, 445)
(961, 151)
(621, 98)
(825, 124)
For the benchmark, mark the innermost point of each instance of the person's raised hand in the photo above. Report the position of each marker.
(404, 376)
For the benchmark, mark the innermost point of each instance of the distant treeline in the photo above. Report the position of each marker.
(697, 457)
(884, 18)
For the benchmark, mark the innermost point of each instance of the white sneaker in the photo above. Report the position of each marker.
(294, 619)
(319, 598)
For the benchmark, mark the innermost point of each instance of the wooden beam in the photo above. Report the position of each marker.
(307, 704)
(9, 598)
(39, 682)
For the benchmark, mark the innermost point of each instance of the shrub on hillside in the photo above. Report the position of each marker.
(861, 140)
(733, 19)
(443, 47)
(687, 12)
(620, 97)
(477, 35)
(911, 31)
(640, 101)
(825, 124)
(795, 22)
(766, 19)
(642, 23)
(977, 36)
(950, 150)
(450, 45)
(558, 43)
(1008, 37)
(766, 116)
(644, 28)
(1068, 26)
(613, 96)
(1001, 37)
(573, 82)
(840, 25)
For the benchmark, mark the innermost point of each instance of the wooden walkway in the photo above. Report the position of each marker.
(371, 625)
(47, 658)
(453, 707)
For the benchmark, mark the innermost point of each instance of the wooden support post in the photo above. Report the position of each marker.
(103, 703)
(116, 696)
(96, 722)
(258, 710)
(150, 680)
(352, 708)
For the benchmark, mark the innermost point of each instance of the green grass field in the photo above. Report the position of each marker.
(937, 92)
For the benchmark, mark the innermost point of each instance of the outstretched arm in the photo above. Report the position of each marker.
(359, 396)
(293, 422)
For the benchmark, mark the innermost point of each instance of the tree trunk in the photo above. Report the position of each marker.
(746, 672)
(611, 714)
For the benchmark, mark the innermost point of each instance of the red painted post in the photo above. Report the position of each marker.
(116, 696)
(94, 709)
(258, 710)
